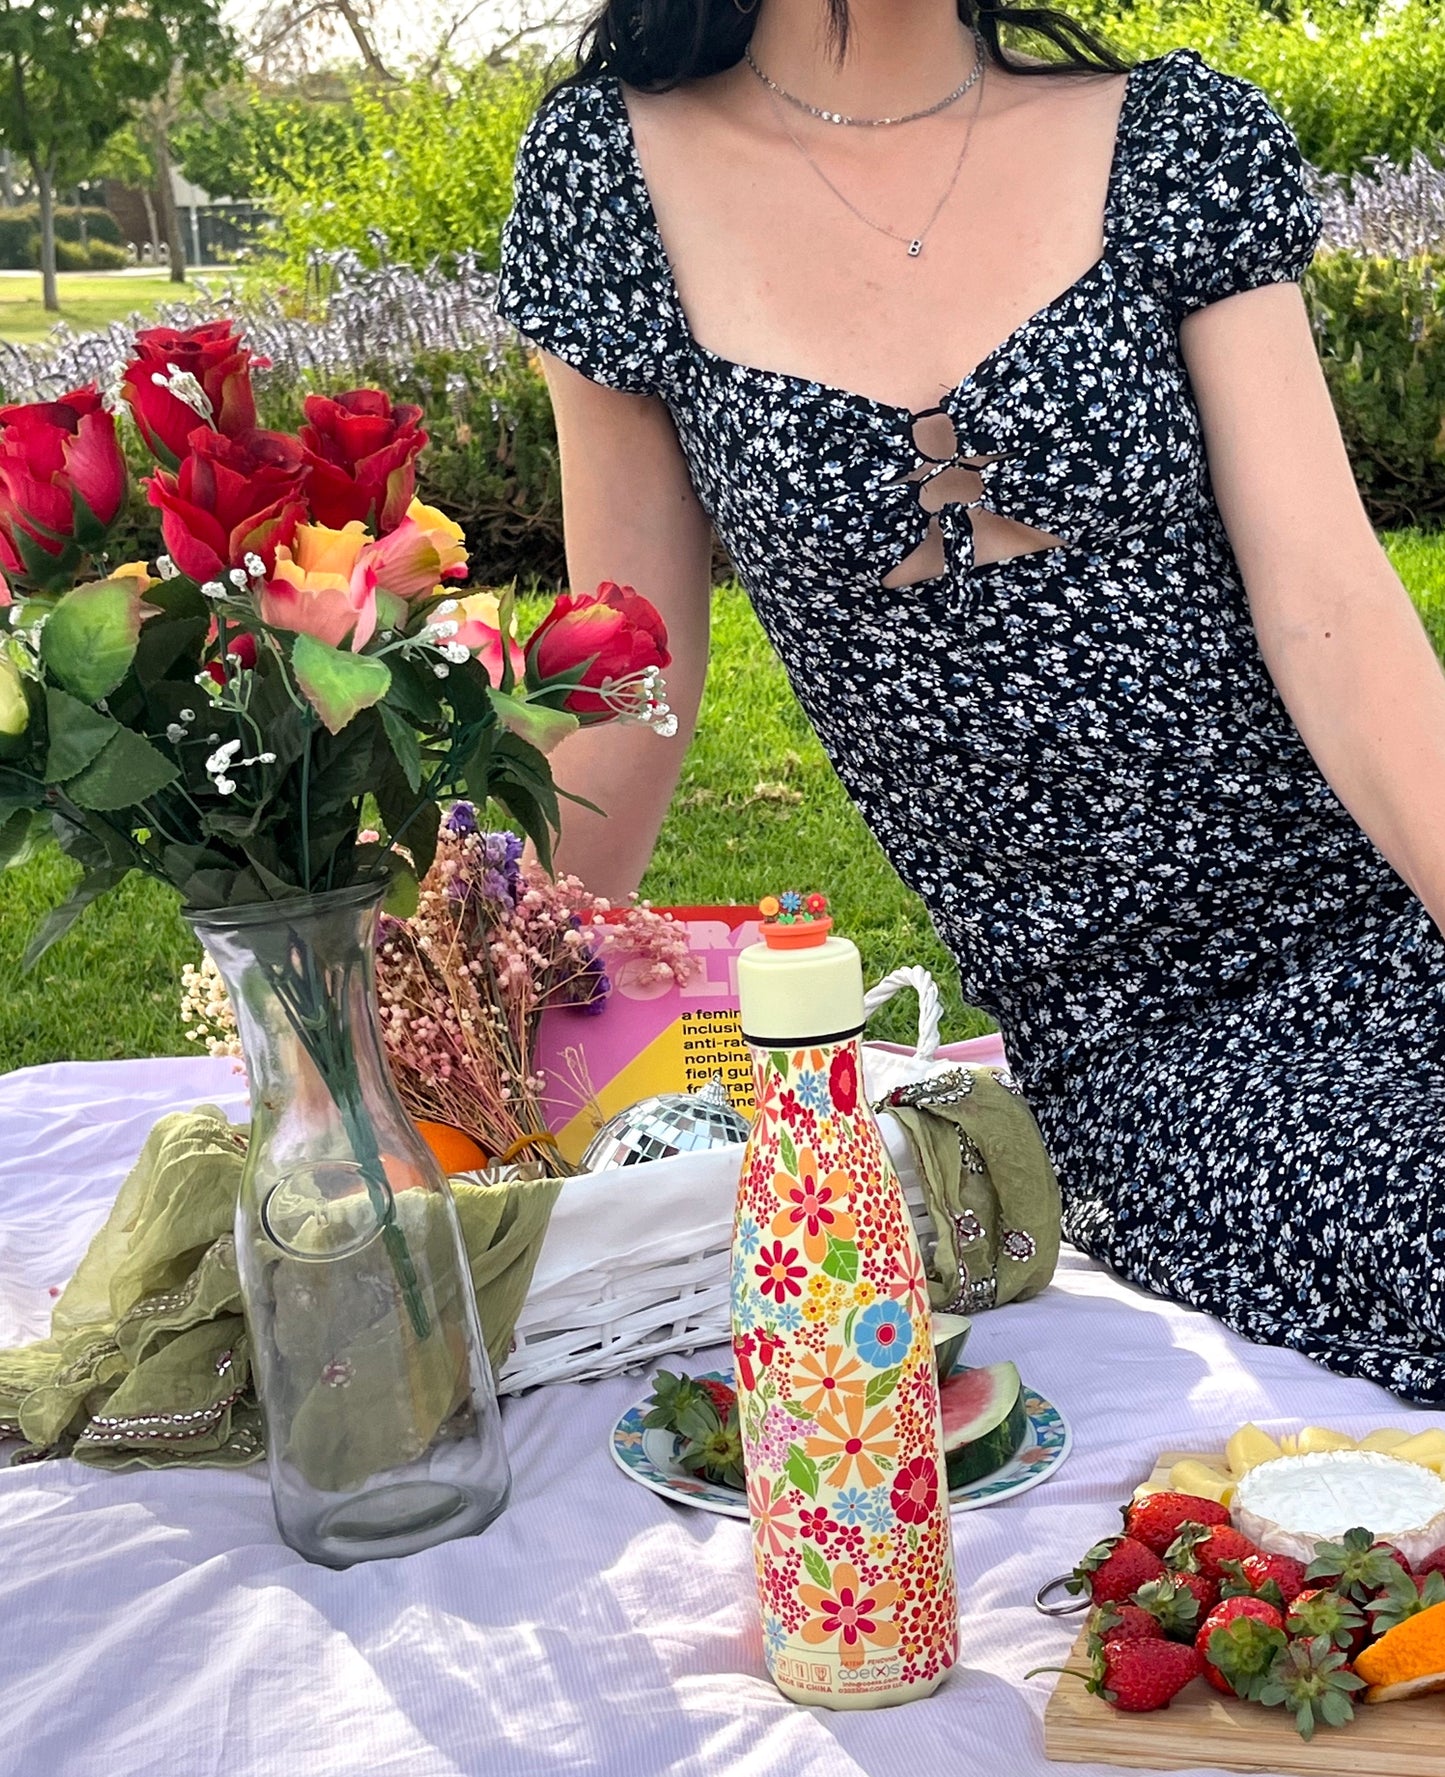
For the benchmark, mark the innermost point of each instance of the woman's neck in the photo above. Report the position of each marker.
(901, 53)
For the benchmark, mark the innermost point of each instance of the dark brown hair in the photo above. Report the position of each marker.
(655, 44)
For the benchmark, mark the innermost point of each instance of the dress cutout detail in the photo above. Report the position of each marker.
(1227, 1012)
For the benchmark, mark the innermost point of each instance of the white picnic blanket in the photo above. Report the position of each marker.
(155, 1623)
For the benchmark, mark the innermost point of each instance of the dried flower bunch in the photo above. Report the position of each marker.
(463, 983)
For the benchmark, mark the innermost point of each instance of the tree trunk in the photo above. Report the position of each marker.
(152, 222)
(44, 172)
(8, 194)
(170, 216)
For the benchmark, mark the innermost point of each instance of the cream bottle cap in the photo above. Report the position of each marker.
(795, 993)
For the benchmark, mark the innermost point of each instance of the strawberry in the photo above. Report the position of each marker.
(1172, 1606)
(1434, 1562)
(1278, 1578)
(1205, 1548)
(1318, 1613)
(1357, 1566)
(1137, 1676)
(1238, 1642)
(1206, 1592)
(1312, 1679)
(1113, 1570)
(1157, 1519)
(721, 1396)
(1124, 1622)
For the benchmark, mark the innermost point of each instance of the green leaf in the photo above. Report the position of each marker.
(817, 1567)
(58, 922)
(848, 1326)
(126, 772)
(787, 1152)
(780, 1063)
(338, 684)
(506, 623)
(802, 1471)
(21, 837)
(842, 1260)
(797, 1410)
(168, 643)
(881, 1386)
(404, 744)
(539, 727)
(403, 891)
(78, 734)
(90, 637)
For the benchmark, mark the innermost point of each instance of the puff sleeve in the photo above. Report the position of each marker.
(1232, 207)
(576, 275)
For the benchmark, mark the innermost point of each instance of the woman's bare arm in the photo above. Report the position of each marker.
(631, 515)
(1336, 626)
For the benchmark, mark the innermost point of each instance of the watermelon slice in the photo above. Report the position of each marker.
(950, 1335)
(984, 1421)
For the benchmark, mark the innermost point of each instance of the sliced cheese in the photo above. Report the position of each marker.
(1292, 1504)
(1248, 1447)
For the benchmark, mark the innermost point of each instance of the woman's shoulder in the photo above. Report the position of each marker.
(574, 125)
(1188, 107)
(1215, 195)
(581, 271)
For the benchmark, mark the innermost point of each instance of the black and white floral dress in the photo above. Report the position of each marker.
(1225, 1008)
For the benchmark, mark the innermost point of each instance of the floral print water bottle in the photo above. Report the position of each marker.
(833, 1347)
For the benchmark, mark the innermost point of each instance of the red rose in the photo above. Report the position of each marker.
(62, 481)
(915, 1491)
(843, 1082)
(220, 366)
(231, 497)
(362, 451)
(612, 634)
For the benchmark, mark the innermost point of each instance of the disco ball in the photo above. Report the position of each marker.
(672, 1123)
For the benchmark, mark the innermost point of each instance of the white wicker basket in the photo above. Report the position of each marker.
(635, 1263)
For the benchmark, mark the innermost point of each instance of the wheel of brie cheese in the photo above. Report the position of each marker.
(1292, 1504)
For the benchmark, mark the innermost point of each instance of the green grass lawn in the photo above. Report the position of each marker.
(758, 806)
(87, 300)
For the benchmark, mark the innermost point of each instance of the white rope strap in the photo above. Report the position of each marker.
(930, 1004)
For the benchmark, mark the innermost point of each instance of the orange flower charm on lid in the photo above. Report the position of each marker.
(794, 921)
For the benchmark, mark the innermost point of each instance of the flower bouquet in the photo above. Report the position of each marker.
(303, 651)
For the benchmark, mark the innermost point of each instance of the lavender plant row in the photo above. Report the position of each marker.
(362, 321)
(1385, 210)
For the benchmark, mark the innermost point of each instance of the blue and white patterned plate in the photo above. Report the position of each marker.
(650, 1457)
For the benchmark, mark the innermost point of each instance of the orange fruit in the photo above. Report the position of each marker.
(453, 1151)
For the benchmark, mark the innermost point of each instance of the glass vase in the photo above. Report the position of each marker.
(383, 1434)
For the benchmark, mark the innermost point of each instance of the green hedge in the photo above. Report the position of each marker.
(1380, 328)
(20, 234)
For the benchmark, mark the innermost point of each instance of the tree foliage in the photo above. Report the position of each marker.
(429, 164)
(241, 142)
(75, 70)
(1354, 78)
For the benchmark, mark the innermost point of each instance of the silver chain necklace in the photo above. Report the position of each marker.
(914, 243)
(867, 123)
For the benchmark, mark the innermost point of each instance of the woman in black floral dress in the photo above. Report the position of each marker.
(1064, 626)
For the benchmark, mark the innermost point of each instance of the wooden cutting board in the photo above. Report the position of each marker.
(1202, 1729)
